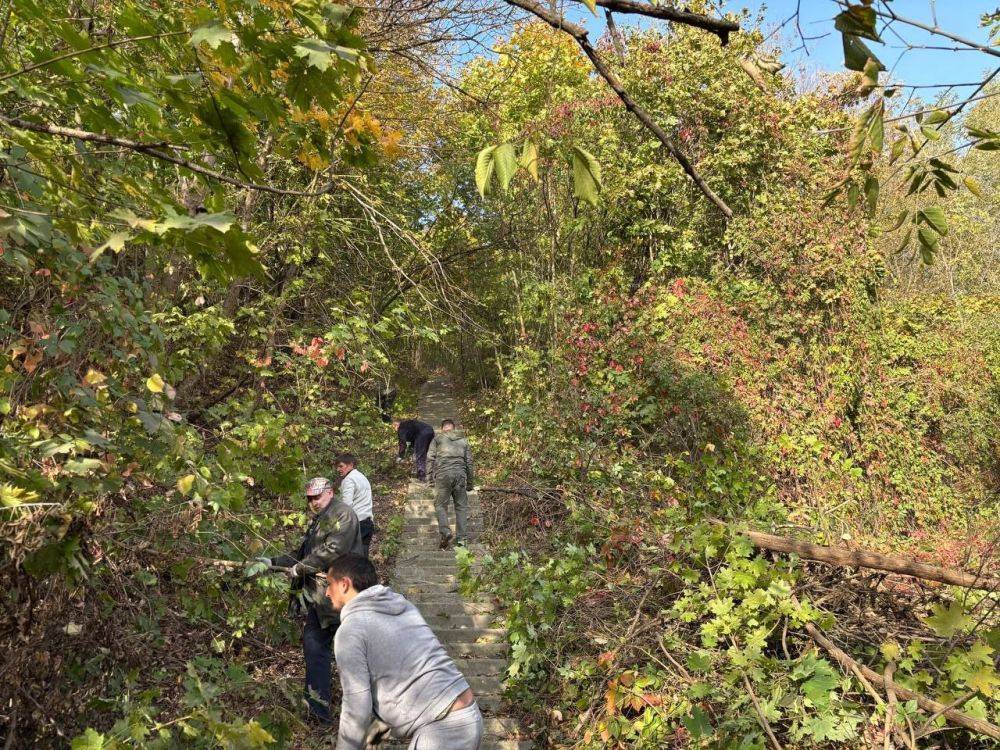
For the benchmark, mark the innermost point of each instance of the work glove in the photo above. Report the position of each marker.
(264, 560)
(378, 732)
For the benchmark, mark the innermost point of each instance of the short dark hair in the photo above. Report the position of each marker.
(347, 458)
(446, 422)
(356, 567)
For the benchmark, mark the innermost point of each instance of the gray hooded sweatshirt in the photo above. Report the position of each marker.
(392, 664)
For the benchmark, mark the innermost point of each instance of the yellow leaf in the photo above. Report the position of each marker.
(155, 383)
(890, 650)
(985, 680)
(185, 483)
(93, 377)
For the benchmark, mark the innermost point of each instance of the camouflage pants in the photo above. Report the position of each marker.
(447, 488)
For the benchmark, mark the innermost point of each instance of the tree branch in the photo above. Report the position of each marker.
(153, 149)
(557, 21)
(78, 52)
(859, 558)
(721, 27)
(954, 716)
(936, 30)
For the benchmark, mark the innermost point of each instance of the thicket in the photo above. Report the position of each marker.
(673, 380)
(224, 228)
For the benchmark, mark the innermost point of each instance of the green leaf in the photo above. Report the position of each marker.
(930, 133)
(934, 217)
(115, 242)
(898, 221)
(857, 54)
(821, 684)
(82, 466)
(89, 740)
(505, 162)
(937, 116)
(586, 176)
(320, 55)
(212, 34)
(871, 193)
(946, 621)
(858, 20)
(529, 158)
(974, 187)
(697, 723)
(485, 165)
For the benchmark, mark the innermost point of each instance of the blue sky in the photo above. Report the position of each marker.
(916, 67)
(920, 66)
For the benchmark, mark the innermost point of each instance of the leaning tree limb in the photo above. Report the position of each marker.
(721, 27)
(954, 716)
(558, 22)
(859, 558)
(153, 150)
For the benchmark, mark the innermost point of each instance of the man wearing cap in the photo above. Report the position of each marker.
(334, 531)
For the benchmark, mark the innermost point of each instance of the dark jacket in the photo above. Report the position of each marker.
(333, 532)
(450, 453)
(409, 430)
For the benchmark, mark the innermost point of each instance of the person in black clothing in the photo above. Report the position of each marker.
(419, 435)
(333, 532)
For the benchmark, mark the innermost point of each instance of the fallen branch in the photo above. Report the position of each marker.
(761, 718)
(859, 558)
(936, 709)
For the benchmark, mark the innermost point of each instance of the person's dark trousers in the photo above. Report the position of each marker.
(317, 647)
(367, 532)
(420, 446)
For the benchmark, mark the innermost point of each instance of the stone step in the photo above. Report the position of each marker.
(418, 577)
(461, 621)
(459, 650)
(487, 685)
(451, 608)
(471, 635)
(481, 667)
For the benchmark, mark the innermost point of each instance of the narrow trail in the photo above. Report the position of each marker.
(428, 576)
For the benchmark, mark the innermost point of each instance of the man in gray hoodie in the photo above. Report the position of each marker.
(394, 669)
(449, 468)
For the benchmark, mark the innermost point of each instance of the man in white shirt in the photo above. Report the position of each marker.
(356, 493)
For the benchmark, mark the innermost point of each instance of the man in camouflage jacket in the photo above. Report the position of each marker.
(333, 531)
(449, 468)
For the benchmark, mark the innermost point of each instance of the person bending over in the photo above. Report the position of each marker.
(333, 532)
(393, 669)
(419, 435)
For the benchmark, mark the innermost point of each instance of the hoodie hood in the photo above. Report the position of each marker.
(453, 435)
(378, 598)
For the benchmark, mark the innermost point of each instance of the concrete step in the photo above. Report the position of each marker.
(459, 650)
(419, 577)
(461, 620)
(471, 635)
(451, 608)
(481, 667)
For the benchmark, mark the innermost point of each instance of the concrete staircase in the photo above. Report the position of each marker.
(428, 577)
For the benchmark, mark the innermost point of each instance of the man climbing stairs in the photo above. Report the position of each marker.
(428, 577)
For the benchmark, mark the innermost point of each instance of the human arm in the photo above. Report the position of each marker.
(355, 686)
(348, 489)
(470, 474)
(431, 458)
(338, 532)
